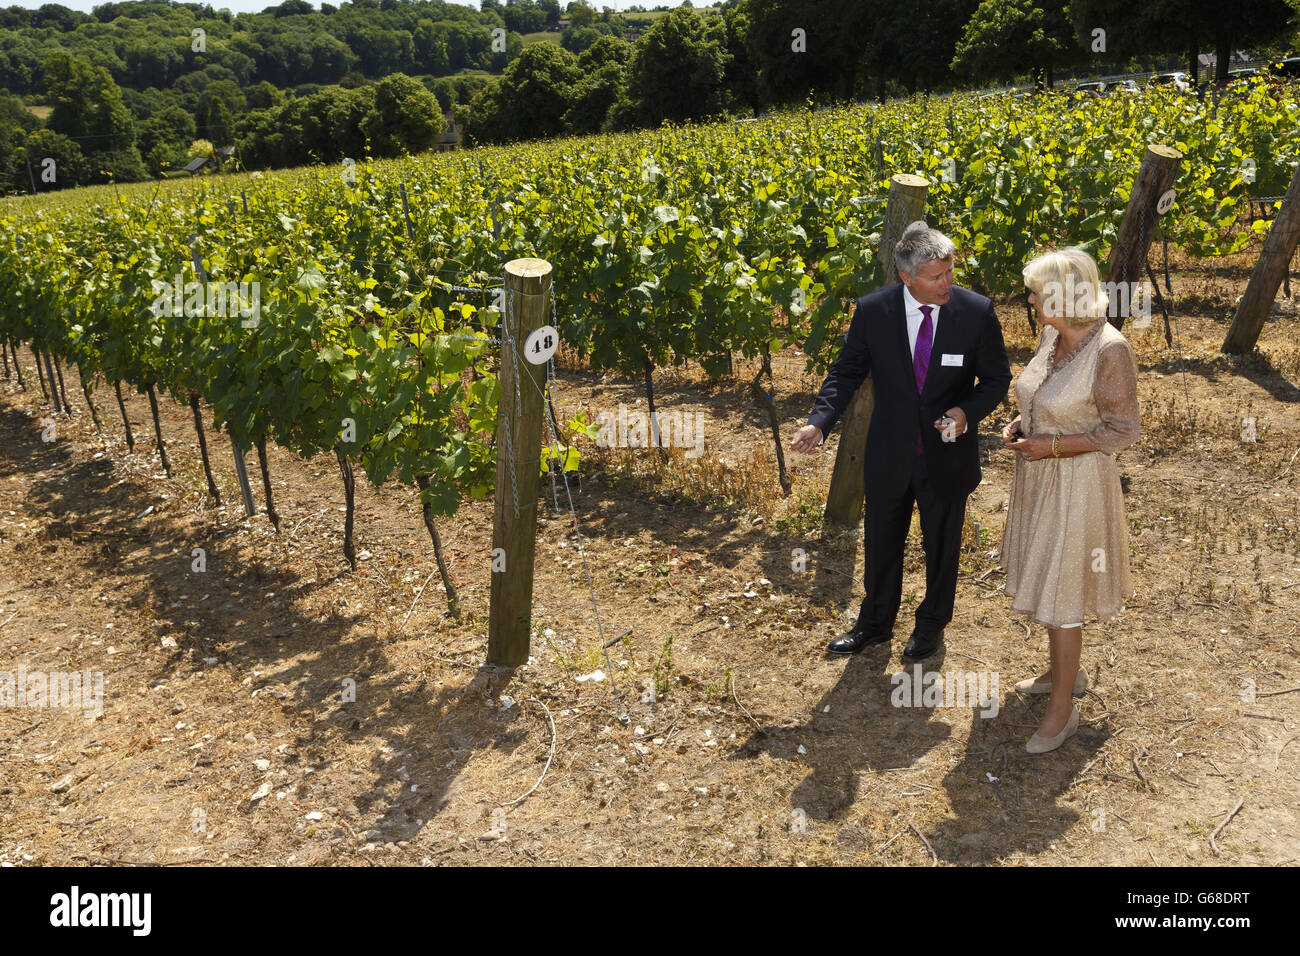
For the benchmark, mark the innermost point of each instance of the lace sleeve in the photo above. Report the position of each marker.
(1114, 391)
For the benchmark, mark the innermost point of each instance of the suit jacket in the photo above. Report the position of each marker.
(968, 333)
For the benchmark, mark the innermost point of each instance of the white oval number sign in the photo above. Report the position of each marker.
(541, 345)
(1166, 202)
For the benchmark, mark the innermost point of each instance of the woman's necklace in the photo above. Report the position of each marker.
(1065, 348)
(1061, 350)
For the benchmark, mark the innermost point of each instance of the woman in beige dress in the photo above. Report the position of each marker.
(1065, 547)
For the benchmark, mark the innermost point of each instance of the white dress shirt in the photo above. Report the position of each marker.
(914, 320)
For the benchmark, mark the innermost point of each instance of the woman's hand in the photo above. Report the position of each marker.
(1011, 432)
(1033, 448)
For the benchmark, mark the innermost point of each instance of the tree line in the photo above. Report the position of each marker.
(125, 92)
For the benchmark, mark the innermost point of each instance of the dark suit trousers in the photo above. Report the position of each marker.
(886, 524)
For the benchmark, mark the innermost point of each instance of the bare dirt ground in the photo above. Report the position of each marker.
(225, 738)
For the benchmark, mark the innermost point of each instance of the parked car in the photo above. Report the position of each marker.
(1090, 90)
(1287, 69)
(1239, 74)
(1177, 81)
(1126, 86)
(1237, 80)
(1276, 74)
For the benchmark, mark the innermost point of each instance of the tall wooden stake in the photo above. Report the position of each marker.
(519, 439)
(1274, 260)
(848, 492)
(1128, 257)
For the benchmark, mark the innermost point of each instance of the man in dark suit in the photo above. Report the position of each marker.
(936, 358)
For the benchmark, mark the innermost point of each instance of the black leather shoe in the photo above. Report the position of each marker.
(922, 644)
(850, 642)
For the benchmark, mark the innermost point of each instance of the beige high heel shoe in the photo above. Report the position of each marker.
(1033, 685)
(1042, 745)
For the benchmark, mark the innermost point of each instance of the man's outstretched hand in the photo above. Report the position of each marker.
(807, 439)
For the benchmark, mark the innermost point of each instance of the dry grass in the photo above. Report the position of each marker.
(731, 738)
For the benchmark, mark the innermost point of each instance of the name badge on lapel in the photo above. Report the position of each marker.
(952, 359)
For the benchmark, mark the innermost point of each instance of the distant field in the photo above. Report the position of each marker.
(42, 113)
(655, 14)
(548, 36)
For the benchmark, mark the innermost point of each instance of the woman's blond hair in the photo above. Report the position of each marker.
(1068, 285)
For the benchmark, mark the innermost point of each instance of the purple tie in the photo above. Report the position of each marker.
(921, 359)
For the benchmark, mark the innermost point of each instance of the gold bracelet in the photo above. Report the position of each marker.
(1056, 448)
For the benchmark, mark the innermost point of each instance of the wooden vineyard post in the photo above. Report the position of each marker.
(519, 440)
(847, 494)
(1274, 260)
(1128, 257)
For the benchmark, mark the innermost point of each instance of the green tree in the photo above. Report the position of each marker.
(531, 99)
(15, 123)
(802, 47)
(20, 61)
(603, 75)
(1005, 37)
(431, 49)
(88, 107)
(678, 68)
(742, 73)
(581, 15)
(263, 95)
(577, 39)
(1180, 26)
(34, 167)
(524, 16)
(404, 117)
(163, 139)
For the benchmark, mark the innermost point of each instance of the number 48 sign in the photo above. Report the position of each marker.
(541, 345)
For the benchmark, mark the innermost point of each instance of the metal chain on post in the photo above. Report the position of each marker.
(510, 337)
(548, 409)
(554, 445)
(552, 437)
(510, 460)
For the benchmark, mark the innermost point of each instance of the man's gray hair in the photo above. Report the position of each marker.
(920, 244)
